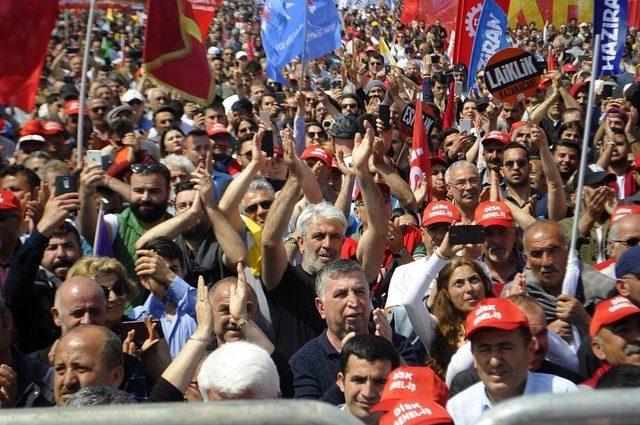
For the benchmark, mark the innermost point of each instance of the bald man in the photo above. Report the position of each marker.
(85, 356)
(547, 251)
(624, 233)
(78, 301)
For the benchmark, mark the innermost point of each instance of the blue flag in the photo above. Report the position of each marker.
(490, 37)
(610, 21)
(285, 35)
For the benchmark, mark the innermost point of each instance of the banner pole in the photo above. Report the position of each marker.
(566, 286)
(83, 85)
(304, 47)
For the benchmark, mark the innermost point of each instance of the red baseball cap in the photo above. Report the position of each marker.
(215, 129)
(320, 153)
(416, 412)
(496, 313)
(31, 127)
(516, 125)
(72, 107)
(544, 83)
(493, 213)
(8, 201)
(412, 383)
(435, 160)
(610, 311)
(498, 135)
(568, 67)
(622, 211)
(573, 91)
(52, 128)
(384, 188)
(440, 212)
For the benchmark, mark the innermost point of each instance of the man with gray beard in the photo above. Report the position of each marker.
(210, 246)
(499, 250)
(321, 232)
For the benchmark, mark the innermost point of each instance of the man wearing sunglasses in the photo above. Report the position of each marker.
(148, 200)
(624, 234)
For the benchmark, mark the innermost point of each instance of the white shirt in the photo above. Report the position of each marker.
(470, 404)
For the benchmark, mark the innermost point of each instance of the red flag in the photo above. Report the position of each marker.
(551, 61)
(25, 30)
(466, 24)
(449, 118)
(420, 165)
(174, 51)
(204, 11)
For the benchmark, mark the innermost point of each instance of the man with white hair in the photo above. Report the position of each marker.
(239, 371)
(321, 232)
(464, 185)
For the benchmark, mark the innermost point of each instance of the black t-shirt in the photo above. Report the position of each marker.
(205, 261)
(293, 312)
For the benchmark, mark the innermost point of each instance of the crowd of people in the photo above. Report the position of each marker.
(269, 244)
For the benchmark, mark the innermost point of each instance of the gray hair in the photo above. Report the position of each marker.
(99, 396)
(261, 184)
(239, 369)
(336, 268)
(322, 210)
(459, 164)
(180, 161)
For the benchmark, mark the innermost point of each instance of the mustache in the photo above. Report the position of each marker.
(548, 269)
(62, 262)
(632, 349)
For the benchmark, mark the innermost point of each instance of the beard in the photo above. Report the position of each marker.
(149, 212)
(198, 231)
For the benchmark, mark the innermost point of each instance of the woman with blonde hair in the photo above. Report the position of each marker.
(112, 276)
(460, 283)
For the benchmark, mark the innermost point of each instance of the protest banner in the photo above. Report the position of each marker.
(511, 75)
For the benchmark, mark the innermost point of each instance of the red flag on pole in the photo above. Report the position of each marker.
(449, 112)
(25, 30)
(174, 51)
(551, 61)
(420, 164)
(466, 24)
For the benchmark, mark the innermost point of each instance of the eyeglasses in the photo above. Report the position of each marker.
(118, 288)
(473, 181)
(631, 242)
(521, 163)
(153, 167)
(375, 63)
(349, 106)
(247, 154)
(253, 208)
(161, 99)
(99, 108)
(313, 134)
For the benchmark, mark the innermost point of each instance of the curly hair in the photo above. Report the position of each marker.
(450, 327)
(92, 266)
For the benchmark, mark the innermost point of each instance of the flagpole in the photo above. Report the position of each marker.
(304, 46)
(583, 160)
(83, 85)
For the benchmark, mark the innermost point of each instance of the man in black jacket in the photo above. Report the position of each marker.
(29, 289)
(24, 382)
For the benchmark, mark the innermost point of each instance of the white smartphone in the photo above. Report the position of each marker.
(465, 125)
(457, 88)
(265, 116)
(94, 157)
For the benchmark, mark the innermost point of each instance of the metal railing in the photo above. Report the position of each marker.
(224, 412)
(602, 407)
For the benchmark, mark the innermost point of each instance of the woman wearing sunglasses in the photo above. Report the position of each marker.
(112, 277)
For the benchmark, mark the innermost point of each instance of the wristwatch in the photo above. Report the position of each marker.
(403, 252)
(241, 322)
